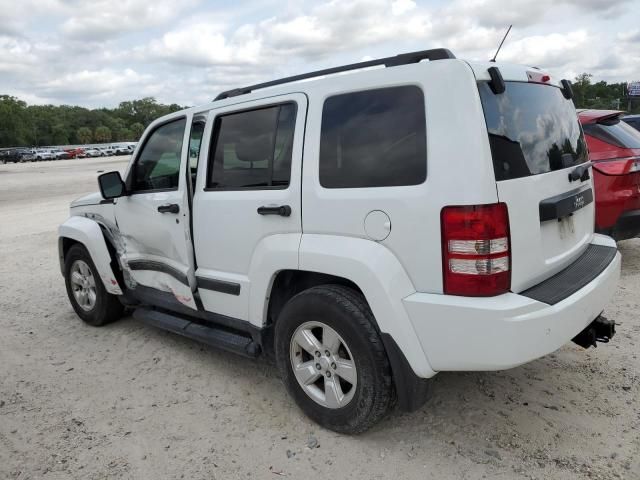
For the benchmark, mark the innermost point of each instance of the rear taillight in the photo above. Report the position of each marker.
(476, 255)
(618, 166)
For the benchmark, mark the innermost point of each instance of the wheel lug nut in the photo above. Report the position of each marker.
(317, 354)
(328, 374)
(318, 366)
(333, 365)
(327, 353)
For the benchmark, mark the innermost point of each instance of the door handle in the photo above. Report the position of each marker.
(282, 210)
(169, 208)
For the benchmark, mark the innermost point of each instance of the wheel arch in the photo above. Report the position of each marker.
(371, 269)
(88, 233)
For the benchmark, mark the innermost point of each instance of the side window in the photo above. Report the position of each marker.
(374, 138)
(195, 141)
(253, 148)
(158, 165)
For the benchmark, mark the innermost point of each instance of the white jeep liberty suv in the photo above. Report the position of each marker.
(367, 230)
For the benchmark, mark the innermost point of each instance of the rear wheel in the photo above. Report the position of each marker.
(332, 359)
(85, 290)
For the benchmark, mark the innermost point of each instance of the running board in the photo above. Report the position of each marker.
(209, 335)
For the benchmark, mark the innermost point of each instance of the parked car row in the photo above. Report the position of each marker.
(17, 155)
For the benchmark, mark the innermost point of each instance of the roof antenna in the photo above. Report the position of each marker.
(503, 39)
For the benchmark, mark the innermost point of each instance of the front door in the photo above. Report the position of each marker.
(153, 219)
(247, 209)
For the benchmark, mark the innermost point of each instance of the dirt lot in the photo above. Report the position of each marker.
(130, 401)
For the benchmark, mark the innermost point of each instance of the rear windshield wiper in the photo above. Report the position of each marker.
(581, 172)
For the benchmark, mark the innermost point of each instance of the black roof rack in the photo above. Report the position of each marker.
(402, 59)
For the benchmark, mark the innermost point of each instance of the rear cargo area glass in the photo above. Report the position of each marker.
(532, 129)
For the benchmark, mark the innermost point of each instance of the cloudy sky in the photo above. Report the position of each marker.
(100, 52)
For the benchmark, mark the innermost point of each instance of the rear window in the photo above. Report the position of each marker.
(374, 138)
(532, 129)
(614, 132)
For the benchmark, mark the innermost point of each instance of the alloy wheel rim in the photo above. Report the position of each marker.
(323, 365)
(83, 285)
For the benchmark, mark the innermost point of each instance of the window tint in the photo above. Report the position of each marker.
(532, 129)
(374, 138)
(195, 140)
(158, 165)
(614, 132)
(253, 148)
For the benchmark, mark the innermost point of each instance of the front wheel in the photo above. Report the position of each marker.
(85, 290)
(332, 360)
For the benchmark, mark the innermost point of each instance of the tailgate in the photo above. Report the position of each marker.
(544, 241)
(536, 141)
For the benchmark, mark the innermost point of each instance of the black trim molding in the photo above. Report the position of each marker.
(565, 204)
(159, 267)
(221, 286)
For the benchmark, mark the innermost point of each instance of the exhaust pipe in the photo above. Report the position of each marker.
(600, 330)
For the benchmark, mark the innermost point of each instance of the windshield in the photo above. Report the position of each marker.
(532, 129)
(615, 132)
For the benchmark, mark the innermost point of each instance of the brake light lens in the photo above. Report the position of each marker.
(538, 77)
(618, 166)
(476, 254)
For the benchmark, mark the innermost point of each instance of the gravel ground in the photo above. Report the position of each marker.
(130, 401)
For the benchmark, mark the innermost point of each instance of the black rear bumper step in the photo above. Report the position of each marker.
(209, 335)
(591, 263)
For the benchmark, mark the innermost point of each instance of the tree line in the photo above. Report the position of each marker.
(36, 125)
(603, 95)
(39, 125)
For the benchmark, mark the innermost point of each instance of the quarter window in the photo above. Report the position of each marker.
(374, 138)
(158, 165)
(253, 149)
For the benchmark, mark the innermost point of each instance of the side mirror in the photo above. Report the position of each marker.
(111, 185)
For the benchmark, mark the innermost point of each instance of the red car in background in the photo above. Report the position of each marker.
(75, 152)
(614, 149)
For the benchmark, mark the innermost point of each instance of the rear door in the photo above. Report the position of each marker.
(246, 206)
(536, 141)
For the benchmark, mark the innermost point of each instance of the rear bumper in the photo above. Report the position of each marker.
(496, 333)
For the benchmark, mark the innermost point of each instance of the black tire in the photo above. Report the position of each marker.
(345, 311)
(107, 307)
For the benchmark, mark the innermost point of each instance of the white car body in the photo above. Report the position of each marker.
(105, 151)
(92, 152)
(393, 257)
(43, 154)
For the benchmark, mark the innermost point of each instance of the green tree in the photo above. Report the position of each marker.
(84, 135)
(127, 135)
(581, 86)
(14, 122)
(602, 95)
(59, 134)
(137, 130)
(102, 134)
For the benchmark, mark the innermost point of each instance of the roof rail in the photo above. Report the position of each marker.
(401, 59)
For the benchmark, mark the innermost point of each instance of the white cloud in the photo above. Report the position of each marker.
(398, 7)
(94, 82)
(552, 51)
(99, 19)
(97, 52)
